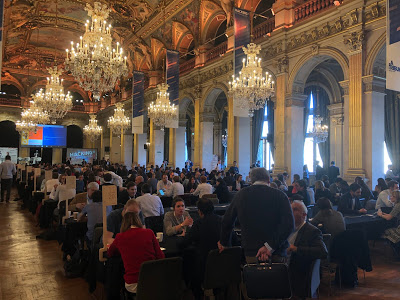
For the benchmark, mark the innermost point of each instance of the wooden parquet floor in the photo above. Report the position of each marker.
(33, 269)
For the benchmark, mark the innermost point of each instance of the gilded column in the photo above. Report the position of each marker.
(111, 145)
(152, 145)
(135, 148)
(231, 148)
(122, 147)
(336, 113)
(101, 146)
(196, 159)
(172, 148)
(355, 107)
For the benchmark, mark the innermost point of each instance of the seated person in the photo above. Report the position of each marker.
(114, 220)
(139, 180)
(306, 245)
(128, 193)
(136, 245)
(222, 192)
(80, 200)
(350, 204)
(332, 221)
(150, 205)
(300, 186)
(49, 184)
(94, 213)
(238, 184)
(165, 185)
(384, 196)
(62, 193)
(381, 186)
(393, 234)
(176, 189)
(321, 191)
(80, 184)
(203, 188)
(191, 186)
(177, 221)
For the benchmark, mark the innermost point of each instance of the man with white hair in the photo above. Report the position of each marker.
(265, 218)
(306, 245)
(80, 200)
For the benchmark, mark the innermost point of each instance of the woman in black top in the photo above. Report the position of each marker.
(191, 186)
(222, 192)
(321, 191)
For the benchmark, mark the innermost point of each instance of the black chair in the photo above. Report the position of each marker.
(327, 264)
(155, 223)
(166, 201)
(222, 270)
(160, 279)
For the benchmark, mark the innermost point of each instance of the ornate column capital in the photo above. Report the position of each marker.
(345, 86)
(283, 65)
(295, 100)
(373, 83)
(354, 41)
(336, 109)
(337, 120)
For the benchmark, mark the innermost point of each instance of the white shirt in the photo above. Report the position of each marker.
(312, 195)
(203, 189)
(50, 185)
(7, 169)
(164, 186)
(151, 205)
(176, 189)
(384, 200)
(62, 193)
(117, 180)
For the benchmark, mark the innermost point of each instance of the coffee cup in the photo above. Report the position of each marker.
(160, 236)
(69, 214)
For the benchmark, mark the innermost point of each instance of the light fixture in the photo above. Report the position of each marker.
(162, 111)
(93, 62)
(119, 122)
(251, 89)
(53, 100)
(319, 132)
(30, 118)
(224, 139)
(92, 131)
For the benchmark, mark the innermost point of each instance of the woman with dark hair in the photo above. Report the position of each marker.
(381, 186)
(238, 184)
(332, 221)
(136, 245)
(321, 191)
(365, 191)
(191, 186)
(222, 192)
(178, 220)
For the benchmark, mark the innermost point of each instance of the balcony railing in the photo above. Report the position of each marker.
(216, 52)
(187, 66)
(311, 8)
(78, 108)
(10, 101)
(261, 30)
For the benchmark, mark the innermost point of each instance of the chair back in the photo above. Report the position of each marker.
(370, 205)
(327, 238)
(213, 197)
(155, 223)
(187, 198)
(223, 269)
(160, 279)
(97, 233)
(315, 277)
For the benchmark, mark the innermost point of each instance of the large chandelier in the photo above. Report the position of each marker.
(251, 89)
(92, 131)
(30, 118)
(53, 100)
(162, 111)
(319, 132)
(24, 127)
(119, 122)
(93, 62)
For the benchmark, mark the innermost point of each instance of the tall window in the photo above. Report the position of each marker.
(264, 151)
(386, 158)
(311, 150)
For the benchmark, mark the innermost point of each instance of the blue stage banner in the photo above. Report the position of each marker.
(137, 102)
(393, 45)
(173, 76)
(242, 35)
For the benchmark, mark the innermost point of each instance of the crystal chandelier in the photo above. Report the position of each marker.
(251, 90)
(319, 132)
(24, 127)
(119, 122)
(53, 100)
(92, 131)
(162, 111)
(225, 139)
(93, 62)
(30, 118)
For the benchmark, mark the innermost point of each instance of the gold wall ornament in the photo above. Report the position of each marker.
(93, 62)
(354, 41)
(162, 111)
(52, 100)
(251, 89)
(92, 130)
(119, 122)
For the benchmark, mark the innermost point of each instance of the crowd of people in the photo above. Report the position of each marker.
(273, 214)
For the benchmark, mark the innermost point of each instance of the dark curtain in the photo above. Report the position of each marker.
(392, 129)
(322, 101)
(271, 126)
(258, 122)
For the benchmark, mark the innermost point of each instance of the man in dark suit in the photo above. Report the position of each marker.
(350, 204)
(333, 172)
(301, 189)
(265, 217)
(306, 246)
(318, 171)
(128, 193)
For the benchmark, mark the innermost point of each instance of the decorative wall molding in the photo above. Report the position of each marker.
(354, 41)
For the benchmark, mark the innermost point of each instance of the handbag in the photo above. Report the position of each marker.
(267, 280)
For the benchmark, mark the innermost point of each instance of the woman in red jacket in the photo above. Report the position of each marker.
(136, 245)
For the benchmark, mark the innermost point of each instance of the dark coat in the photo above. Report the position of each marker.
(222, 193)
(264, 214)
(310, 247)
(345, 205)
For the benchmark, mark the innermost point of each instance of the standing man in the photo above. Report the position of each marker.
(7, 171)
(333, 172)
(265, 217)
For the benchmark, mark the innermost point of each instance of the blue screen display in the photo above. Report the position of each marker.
(54, 136)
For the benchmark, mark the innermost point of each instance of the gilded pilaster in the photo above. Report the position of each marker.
(152, 149)
(196, 159)
(231, 149)
(122, 147)
(172, 148)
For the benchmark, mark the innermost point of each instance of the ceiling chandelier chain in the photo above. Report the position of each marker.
(119, 122)
(93, 62)
(319, 132)
(92, 131)
(162, 111)
(52, 99)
